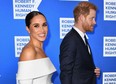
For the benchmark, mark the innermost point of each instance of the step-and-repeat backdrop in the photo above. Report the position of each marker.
(59, 13)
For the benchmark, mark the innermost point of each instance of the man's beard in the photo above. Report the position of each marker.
(87, 27)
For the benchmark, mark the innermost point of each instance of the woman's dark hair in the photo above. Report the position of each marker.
(30, 16)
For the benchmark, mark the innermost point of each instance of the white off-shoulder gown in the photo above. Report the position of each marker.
(38, 71)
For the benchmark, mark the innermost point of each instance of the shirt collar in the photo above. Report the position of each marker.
(80, 32)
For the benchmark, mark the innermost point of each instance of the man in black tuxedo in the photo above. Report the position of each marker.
(76, 62)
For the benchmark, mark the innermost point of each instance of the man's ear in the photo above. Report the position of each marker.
(82, 18)
(27, 28)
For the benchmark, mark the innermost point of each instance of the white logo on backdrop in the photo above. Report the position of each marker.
(22, 7)
(109, 47)
(109, 9)
(65, 26)
(109, 77)
(20, 42)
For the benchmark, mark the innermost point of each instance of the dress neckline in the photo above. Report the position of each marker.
(34, 60)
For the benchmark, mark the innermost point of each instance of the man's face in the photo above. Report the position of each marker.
(89, 21)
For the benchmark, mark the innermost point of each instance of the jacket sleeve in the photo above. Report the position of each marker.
(67, 59)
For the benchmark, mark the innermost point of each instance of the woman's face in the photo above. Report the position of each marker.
(38, 28)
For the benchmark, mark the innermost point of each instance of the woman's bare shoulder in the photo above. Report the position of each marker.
(28, 53)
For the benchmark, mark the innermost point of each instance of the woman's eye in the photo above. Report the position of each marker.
(36, 25)
(45, 24)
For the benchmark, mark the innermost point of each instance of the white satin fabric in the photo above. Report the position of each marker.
(37, 71)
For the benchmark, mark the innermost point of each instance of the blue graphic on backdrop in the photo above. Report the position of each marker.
(110, 10)
(22, 7)
(65, 26)
(20, 42)
(109, 46)
(109, 78)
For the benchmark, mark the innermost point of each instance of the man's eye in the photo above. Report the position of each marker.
(93, 18)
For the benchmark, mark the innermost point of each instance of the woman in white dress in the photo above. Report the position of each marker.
(34, 67)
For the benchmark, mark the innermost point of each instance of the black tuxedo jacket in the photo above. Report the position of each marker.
(76, 63)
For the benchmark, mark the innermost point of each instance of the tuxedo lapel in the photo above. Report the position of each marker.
(85, 49)
(81, 40)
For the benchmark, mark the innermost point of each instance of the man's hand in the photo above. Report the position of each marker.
(97, 72)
